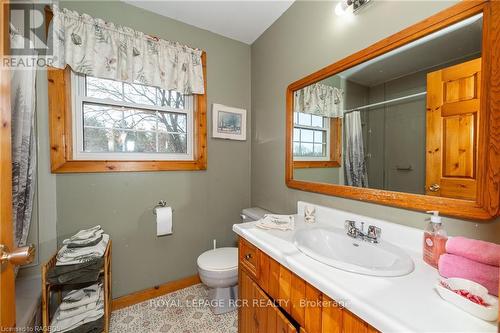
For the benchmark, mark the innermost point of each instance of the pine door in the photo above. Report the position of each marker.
(453, 105)
(7, 288)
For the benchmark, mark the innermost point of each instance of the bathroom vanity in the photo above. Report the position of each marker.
(300, 307)
(283, 289)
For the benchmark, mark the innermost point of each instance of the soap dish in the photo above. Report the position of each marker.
(488, 313)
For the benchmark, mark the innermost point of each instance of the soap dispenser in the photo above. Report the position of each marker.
(435, 238)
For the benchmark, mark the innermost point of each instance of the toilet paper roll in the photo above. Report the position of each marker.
(163, 221)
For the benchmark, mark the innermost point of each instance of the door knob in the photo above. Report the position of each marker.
(20, 256)
(434, 187)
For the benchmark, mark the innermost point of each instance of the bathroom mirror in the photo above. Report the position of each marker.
(405, 121)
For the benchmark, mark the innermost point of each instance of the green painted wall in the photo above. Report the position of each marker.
(206, 203)
(306, 38)
(318, 175)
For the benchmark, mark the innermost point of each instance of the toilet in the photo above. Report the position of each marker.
(218, 269)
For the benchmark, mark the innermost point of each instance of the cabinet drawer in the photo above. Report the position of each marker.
(248, 257)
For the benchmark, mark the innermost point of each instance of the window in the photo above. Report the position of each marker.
(310, 137)
(316, 141)
(122, 121)
(99, 125)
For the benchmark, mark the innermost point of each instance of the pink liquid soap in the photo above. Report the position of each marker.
(435, 237)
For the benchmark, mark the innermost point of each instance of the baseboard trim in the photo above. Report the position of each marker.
(144, 295)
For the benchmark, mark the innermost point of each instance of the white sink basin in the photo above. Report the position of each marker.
(333, 247)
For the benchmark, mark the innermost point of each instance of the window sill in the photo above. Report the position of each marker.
(127, 166)
(315, 164)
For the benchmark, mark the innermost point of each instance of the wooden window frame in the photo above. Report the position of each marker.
(61, 136)
(487, 204)
(335, 159)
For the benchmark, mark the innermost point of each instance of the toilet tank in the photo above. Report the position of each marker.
(252, 214)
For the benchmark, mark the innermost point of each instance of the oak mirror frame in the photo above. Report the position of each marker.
(485, 205)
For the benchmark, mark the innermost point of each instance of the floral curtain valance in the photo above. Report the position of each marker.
(320, 99)
(102, 49)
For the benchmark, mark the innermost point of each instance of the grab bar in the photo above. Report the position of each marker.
(408, 168)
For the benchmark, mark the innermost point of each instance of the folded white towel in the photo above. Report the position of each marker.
(70, 323)
(81, 297)
(86, 233)
(278, 219)
(96, 236)
(74, 311)
(278, 222)
(89, 317)
(71, 256)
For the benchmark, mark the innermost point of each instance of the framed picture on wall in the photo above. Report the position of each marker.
(228, 122)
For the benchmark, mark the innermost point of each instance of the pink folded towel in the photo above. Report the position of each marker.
(477, 250)
(454, 266)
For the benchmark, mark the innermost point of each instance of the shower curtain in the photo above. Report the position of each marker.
(23, 144)
(354, 156)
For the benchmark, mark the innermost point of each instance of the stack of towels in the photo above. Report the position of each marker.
(279, 222)
(81, 257)
(473, 260)
(81, 311)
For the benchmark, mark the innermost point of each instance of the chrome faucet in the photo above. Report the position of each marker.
(372, 235)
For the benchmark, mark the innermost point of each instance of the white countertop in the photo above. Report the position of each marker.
(390, 304)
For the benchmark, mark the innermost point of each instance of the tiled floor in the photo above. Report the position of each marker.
(183, 311)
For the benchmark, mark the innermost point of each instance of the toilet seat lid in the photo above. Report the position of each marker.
(220, 259)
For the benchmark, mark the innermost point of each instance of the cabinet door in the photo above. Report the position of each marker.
(313, 309)
(352, 324)
(258, 314)
(283, 325)
(453, 105)
(261, 309)
(335, 319)
(246, 310)
(269, 317)
(331, 316)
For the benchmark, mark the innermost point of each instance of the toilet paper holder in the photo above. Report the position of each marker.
(161, 203)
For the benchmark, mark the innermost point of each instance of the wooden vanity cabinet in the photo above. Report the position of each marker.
(258, 313)
(274, 299)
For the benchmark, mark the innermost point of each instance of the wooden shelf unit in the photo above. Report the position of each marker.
(48, 288)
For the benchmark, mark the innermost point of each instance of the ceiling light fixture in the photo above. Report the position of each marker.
(343, 6)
